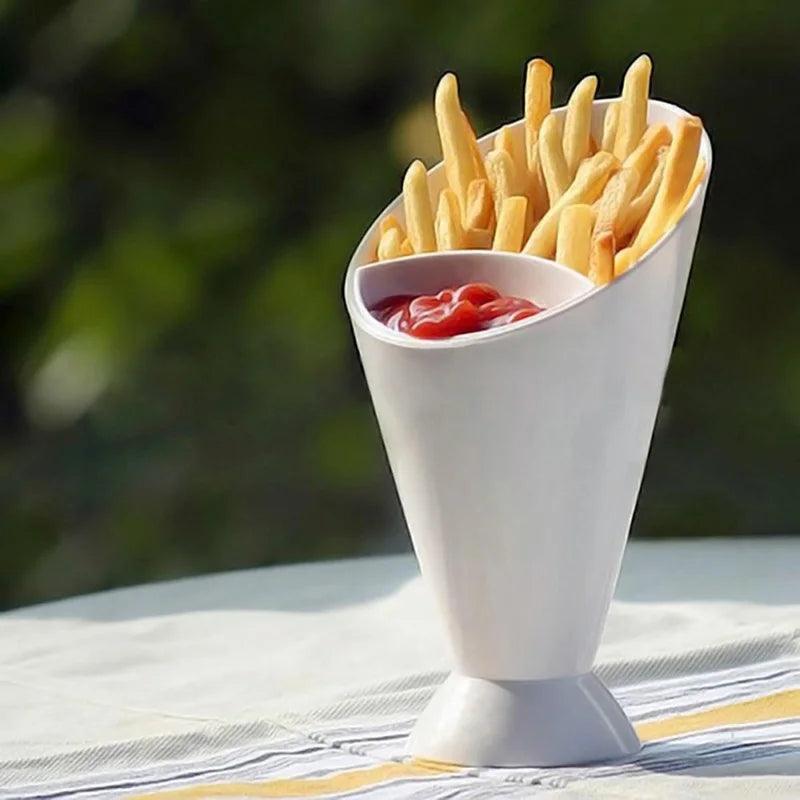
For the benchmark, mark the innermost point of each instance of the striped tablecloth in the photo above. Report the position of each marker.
(305, 681)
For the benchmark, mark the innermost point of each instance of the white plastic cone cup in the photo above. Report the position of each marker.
(518, 455)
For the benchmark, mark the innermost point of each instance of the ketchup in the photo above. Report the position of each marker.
(469, 308)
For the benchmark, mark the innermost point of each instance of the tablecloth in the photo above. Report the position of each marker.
(304, 681)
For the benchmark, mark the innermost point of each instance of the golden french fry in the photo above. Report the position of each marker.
(681, 160)
(449, 232)
(696, 179)
(633, 109)
(610, 121)
(477, 158)
(551, 153)
(593, 146)
(538, 80)
(588, 165)
(601, 258)
(623, 261)
(504, 140)
(480, 205)
(417, 205)
(527, 183)
(575, 237)
(406, 249)
(390, 245)
(577, 124)
(646, 176)
(643, 156)
(390, 221)
(511, 225)
(457, 150)
(586, 188)
(538, 202)
(539, 185)
(478, 239)
(616, 197)
(502, 178)
(514, 146)
(640, 205)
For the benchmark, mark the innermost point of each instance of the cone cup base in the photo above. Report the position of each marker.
(541, 723)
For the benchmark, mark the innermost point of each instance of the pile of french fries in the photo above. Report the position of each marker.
(549, 189)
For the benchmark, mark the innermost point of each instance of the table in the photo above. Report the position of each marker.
(281, 678)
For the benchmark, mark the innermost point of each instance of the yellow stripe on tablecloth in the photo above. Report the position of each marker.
(781, 705)
(309, 787)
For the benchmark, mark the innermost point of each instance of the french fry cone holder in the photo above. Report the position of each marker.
(518, 454)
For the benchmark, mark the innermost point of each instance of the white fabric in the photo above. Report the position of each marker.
(252, 646)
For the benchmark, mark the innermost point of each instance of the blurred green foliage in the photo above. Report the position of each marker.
(181, 184)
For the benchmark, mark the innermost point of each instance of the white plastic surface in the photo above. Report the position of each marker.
(547, 723)
(518, 453)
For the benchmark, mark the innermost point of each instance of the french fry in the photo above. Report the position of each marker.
(610, 121)
(539, 202)
(457, 150)
(480, 205)
(390, 245)
(633, 109)
(417, 205)
(616, 197)
(538, 94)
(577, 124)
(510, 229)
(575, 237)
(643, 155)
(601, 258)
(386, 224)
(586, 188)
(515, 147)
(478, 239)
(527, 183)
(390, 221)
(681, 160)
(696, 179)
(593, 146)
(502, 177)
(538, 91)
(405, 248)
(477, 158)
(449, 231)
(647, 175)
(640, 205)
(623, 261)
(551, 153)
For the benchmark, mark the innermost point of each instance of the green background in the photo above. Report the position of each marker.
(181, 185)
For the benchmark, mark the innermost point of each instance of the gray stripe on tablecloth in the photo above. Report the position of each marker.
(256, 765)
(139, 753)
(707, 659)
